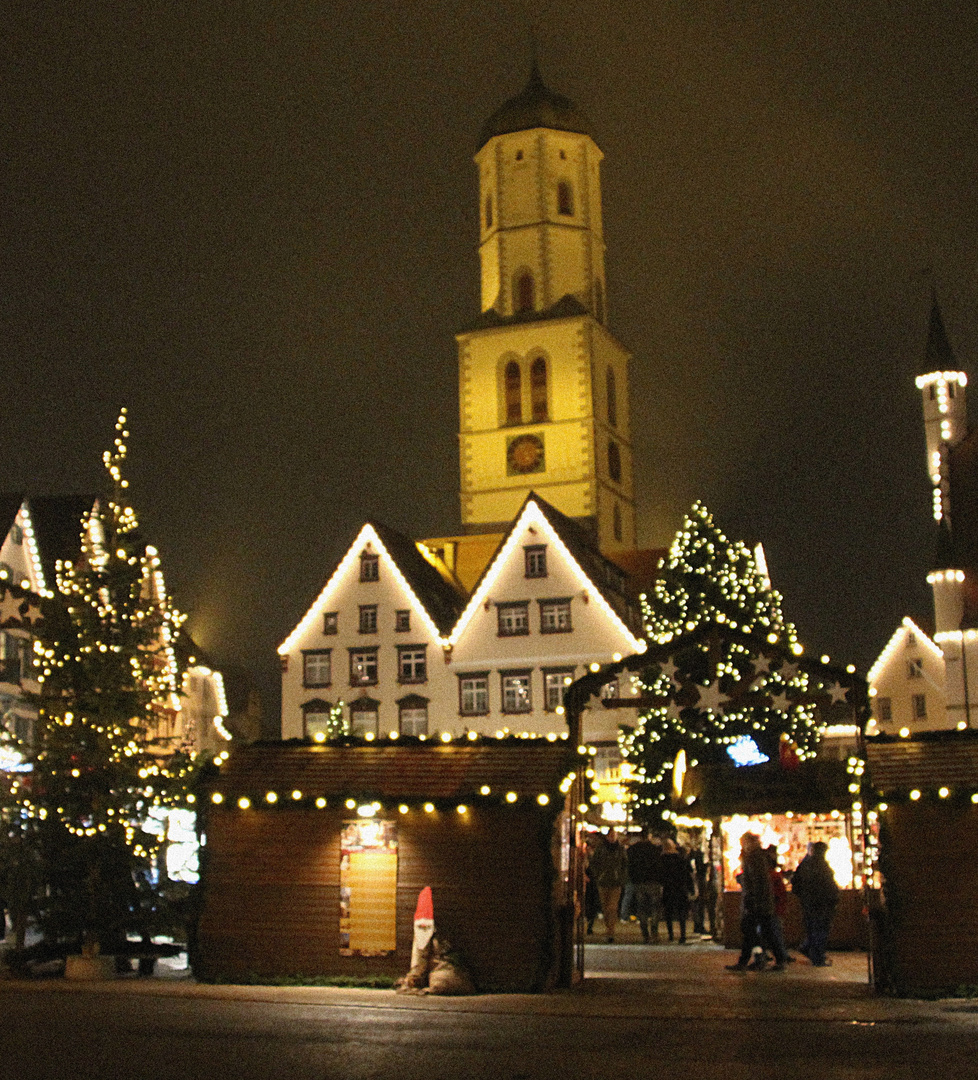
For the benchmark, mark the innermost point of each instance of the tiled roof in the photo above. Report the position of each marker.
(416, 771)
(566, 307)
(932, 760)
(442, 602)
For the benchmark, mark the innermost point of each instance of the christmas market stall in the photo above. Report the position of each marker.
(922, 792)
(316, 855)
(788, 808)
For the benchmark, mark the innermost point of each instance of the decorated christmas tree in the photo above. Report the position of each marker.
(101, 760)
(723, 666)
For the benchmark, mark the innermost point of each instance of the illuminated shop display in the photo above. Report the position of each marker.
(368, 888)
(791, 834)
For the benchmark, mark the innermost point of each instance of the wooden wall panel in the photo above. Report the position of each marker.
(271, 894)
(931, 889)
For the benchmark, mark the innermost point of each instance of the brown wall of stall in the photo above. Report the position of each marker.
(271, 894)
(850, 928)
(928, 931)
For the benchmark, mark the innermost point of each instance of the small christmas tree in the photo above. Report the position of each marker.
(727, 675)
(109, 679)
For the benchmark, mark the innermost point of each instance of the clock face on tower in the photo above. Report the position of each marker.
(524, 454)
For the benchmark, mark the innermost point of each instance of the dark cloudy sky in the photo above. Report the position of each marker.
(255, 225)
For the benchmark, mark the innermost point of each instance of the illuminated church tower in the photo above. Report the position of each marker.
(543, 383)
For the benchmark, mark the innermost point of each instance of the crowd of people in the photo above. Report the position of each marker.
(650, 880)
(655, 880)
(764, 898)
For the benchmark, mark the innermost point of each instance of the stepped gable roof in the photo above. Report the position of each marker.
(442, 601)
(57, 528)
(938, 355)
(566, 307)
(536, 106)
(930, 759)
(401, 771)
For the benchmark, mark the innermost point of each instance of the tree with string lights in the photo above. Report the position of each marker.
(109, 680)
(723, 667)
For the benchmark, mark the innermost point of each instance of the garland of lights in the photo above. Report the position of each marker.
(725, 666)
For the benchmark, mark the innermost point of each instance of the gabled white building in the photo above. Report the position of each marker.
(394, 642)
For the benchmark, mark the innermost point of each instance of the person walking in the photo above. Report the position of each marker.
(677, 887)
(609, 871)
(643, 872)
(757, 910)
(815, 886)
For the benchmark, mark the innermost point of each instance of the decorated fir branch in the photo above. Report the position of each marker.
(723, 667)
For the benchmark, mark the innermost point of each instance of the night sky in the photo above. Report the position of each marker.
(255, 225)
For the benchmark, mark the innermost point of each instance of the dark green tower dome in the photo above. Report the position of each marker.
(536, 106)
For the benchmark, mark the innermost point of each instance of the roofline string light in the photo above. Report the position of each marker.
(533, 515)
(367, 535)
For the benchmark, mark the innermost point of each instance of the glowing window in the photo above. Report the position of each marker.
(516, 693)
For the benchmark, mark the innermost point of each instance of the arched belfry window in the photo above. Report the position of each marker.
(612, 395)
(488, 211)
(525, 292)
(565, 198)
(514, 393)
(614, 462)
(538, 390)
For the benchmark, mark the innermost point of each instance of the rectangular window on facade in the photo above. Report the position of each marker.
(369, 567)
(535, 558)
(315, 720)
(16, 534)
(331, 622)
(555, 616)
(920, 707)
(363, 718)
(516, 693)
(402, 621)
(915, 669)
(316, 667)
(368, 618)
(414, 720)
(411, 664)
(473, 694)
(363, 667)
(884, 709)
(514, 618)
(554, 684)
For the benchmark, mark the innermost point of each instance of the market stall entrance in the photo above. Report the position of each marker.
(733, 737)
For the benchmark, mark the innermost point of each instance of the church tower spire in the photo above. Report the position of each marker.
(543, 383)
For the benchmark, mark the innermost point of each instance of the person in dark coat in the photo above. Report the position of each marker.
(815, 886)
(644, 859)
(757, 911)
(677, 887)
(608, 866)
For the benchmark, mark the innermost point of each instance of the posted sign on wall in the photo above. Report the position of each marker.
(368, 888)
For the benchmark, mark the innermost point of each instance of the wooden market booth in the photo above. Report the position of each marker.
(790, 808)
(924, 793)
(315, 856)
